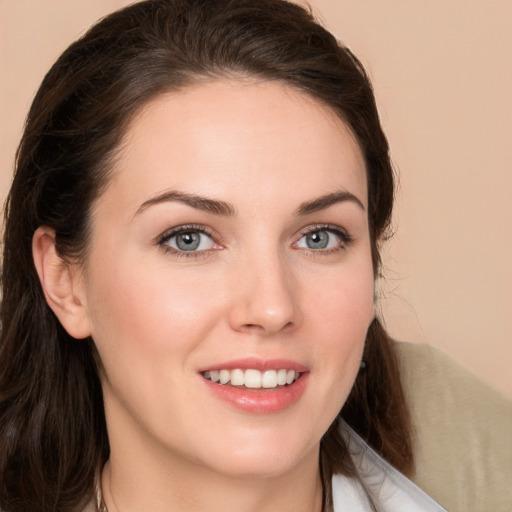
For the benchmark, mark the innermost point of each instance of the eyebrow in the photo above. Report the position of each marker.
(226, 209)
(192, 200)
(323, 202)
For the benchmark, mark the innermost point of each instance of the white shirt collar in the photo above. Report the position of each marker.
(390, 490)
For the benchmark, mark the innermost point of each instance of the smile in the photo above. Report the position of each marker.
(252, 378)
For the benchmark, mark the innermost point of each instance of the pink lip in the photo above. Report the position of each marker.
(259, 401)
(257, 364)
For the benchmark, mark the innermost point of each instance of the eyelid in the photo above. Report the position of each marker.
(176, 230)
(319, 227)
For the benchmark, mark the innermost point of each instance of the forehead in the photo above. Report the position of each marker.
(238, 138)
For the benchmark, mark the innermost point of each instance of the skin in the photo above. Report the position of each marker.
(255, 289)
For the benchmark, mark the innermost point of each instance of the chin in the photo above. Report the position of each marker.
(261, 455)
(259, 467)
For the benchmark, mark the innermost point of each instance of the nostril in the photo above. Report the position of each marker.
(257, 328)
(252, 327)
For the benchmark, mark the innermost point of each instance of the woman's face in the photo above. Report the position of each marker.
(231, 243)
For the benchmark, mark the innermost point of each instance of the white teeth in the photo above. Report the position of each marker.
(281, 377)
(237, 378)
(253, 379)
(224, 376)
(269, 379)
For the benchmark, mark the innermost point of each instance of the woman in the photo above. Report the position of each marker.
(191, 243)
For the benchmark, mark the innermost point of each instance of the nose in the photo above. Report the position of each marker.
(265, 297)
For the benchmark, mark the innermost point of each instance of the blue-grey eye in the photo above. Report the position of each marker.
(319, 239)
(189, 241)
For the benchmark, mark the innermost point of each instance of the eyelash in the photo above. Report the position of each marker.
(191, 228)
(346, 239)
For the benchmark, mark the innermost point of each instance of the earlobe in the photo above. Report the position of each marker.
(62, 284)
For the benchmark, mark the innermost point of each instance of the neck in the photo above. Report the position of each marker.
(145, 485)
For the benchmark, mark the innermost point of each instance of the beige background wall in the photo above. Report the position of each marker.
(443, 75)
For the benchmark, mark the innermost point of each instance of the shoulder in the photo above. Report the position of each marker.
(463, 431)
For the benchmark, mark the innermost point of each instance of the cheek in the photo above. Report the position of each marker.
(148, 314)
(147, 328)
(344, 300)
(340, 313)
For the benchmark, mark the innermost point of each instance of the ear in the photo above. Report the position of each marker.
(62, 284)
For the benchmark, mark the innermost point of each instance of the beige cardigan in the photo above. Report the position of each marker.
(463, 432)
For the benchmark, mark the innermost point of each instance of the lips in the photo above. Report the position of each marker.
(257, 386)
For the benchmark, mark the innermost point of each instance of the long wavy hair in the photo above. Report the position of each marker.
(53, 437)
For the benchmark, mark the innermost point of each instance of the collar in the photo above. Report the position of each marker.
(390, 490)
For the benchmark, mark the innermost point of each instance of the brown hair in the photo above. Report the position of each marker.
(52, 427)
